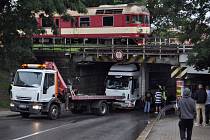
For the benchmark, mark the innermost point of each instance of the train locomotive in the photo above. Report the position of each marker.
(103, 23)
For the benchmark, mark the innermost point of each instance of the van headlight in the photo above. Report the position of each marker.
(37, 107)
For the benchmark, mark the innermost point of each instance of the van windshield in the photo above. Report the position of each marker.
(118, 82)
(28, 79)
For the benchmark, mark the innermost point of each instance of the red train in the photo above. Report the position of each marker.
(130, 21)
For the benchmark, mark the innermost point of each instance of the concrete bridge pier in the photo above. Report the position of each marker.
(143, 79)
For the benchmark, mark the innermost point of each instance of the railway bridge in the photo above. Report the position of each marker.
(91, 62)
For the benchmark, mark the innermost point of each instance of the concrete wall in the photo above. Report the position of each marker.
(92, 77)
(161, 74)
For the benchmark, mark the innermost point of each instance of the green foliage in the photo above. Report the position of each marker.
(189, 17)
(4, 85)
(200, 57)
(18, 23)
(5, 81)
(4, 103)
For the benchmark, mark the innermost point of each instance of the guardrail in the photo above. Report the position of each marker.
(128, 50)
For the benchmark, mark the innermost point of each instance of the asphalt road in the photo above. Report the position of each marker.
(120, 125)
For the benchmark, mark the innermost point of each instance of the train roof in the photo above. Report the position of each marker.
(113, 9)
(110, 9)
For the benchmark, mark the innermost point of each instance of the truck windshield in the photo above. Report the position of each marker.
(118, 82)
(28, 79)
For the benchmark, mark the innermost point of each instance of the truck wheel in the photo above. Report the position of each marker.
(24, 115)
(54, 112)
(102, 109)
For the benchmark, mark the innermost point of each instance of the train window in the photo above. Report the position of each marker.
(146, 19)
(141, 19)
(46, 22)
(57, 22)
(109, 11)
(84, 22)
(134, 19)
(99, 11)
(117, 11)
(127, 19)
(108, 21)
(74, 22)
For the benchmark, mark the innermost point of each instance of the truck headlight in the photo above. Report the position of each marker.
(12, 105)
(37, 107)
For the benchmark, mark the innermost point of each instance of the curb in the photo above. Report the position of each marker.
(144, 134)
(8, 113)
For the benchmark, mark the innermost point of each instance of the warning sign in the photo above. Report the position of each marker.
(118, 54)
(179, 88)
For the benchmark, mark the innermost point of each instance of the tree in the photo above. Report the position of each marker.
(18, 23)
(190, 18)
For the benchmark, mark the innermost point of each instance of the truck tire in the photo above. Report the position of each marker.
(24, 115)
(54, 112)
(102, 109)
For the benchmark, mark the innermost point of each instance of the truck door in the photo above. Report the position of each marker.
(135, 89)
(48, 87)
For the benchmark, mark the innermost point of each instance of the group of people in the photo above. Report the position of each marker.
(193, 106)
(159, 99)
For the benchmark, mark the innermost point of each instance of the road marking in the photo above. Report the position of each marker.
(40, 132)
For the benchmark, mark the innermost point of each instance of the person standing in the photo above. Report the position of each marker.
(200, 98)
(158, 102)
(164, 96)
(148, 100)
(187, 108)
(207, 107)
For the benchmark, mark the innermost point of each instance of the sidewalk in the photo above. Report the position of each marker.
(4, 113)
(167, 129)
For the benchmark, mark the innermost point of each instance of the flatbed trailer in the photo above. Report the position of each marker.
(97, 104)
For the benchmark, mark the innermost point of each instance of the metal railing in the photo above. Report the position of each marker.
(128, 50)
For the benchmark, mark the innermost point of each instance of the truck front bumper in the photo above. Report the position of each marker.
(27, 107)
(125, 105)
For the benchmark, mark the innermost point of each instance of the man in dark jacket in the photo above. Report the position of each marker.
(200, 98)
(186, 105)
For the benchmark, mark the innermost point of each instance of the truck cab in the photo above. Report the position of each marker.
(123, 80)
(35, 91)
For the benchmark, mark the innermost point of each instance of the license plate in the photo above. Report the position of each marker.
(22, 106)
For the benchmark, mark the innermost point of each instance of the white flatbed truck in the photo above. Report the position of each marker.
(40, 89)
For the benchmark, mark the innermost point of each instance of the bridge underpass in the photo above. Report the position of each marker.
(88, 68)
